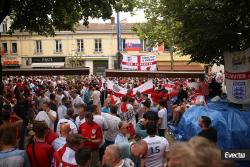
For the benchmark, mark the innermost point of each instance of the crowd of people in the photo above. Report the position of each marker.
(77, 121)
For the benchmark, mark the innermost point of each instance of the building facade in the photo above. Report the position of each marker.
(94, 46)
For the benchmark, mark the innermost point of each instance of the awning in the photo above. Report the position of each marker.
(155, 74)
(181, 68)
(43, 71)
(48, 65)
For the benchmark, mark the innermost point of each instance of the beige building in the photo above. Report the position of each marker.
(94, 46)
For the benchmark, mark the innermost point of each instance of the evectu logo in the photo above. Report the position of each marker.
(235, 155)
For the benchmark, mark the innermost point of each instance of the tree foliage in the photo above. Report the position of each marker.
(157, 30)
(46, 16)
(205, 28)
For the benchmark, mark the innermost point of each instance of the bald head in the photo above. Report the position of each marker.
(139, 149)
(112, 155)
(115, 151)
(65, 130)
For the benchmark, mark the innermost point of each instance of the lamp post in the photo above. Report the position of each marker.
(118, 30)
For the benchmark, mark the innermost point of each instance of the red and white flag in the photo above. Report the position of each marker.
(139, 63)
(147, 88)
(169, 87)
(118, 90)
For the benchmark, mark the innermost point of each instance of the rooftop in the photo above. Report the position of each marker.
(91, 28)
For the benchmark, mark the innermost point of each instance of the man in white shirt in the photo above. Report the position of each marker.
(121, 137)
(61, 141)
(50, 91)
(59, 96)
(96, 96)
(62, 109)
(47, 115)
(80, 118)
(112, 122)
(41, 99)
(162, 114)
(76, 101)
(157, 147)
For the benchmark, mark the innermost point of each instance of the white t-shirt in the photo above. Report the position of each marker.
(79, 121)
(43, 116)
(78, 100)
(59, 98)
(96, 97)
(61, 111)
(58, 143)
(120, 139)
(112, 122)
(41, 100)
(71, 124)
(66, 93)
(99, 119)
(102, 123)
(157, 146)
(163, 115)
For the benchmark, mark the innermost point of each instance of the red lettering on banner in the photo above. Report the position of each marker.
(129, 64)
(237, 76)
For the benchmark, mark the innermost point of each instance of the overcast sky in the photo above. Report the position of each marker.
(138, 16)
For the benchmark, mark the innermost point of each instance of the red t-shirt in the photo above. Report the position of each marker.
(44, 153)
(174, 93)
(50, 137)
(90, 131)
(160, 95)
(155, 97)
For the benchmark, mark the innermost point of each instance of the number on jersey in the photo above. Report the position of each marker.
(155, 150)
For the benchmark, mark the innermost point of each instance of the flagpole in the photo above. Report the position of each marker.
(118, 29)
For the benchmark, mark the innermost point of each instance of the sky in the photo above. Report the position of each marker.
(138, 16)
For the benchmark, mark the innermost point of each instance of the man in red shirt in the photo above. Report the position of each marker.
(39, 152)
(155, 96)
(92, 137)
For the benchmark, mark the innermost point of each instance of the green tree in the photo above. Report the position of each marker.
(158, 29)
(46, 16)
(205, 28)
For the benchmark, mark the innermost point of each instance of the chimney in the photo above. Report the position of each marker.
(112, 20)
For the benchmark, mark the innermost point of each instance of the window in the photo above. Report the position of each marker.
(4, 26)
(39, 46)
(58, 47)
(98, 45)
(80, 45)
(144, 45)
(4, 46)
(166, 48)
(14, 47)
(123, 45)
